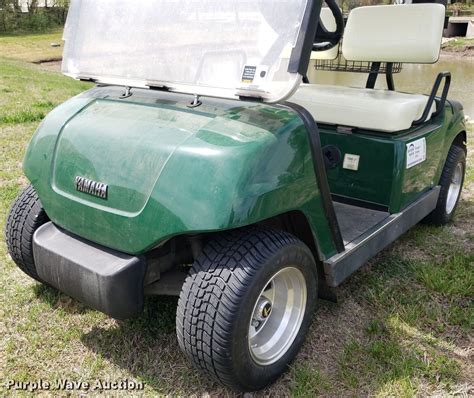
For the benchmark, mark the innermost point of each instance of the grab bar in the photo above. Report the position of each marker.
(444, 95)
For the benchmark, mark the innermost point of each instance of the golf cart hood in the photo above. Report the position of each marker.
(169, 169)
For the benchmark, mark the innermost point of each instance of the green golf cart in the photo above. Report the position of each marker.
(204, 164)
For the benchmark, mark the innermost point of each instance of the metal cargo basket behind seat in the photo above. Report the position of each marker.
(340, 64)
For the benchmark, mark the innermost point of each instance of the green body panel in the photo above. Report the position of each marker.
(382, 177)
(171, 170)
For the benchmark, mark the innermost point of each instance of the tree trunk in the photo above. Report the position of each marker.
(32, 6)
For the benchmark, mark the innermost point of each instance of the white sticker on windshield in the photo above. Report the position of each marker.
(416, 152)
(254, 74)
(248, 74)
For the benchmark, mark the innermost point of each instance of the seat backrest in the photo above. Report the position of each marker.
(394, 33)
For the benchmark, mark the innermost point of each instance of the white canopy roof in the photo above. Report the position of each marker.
(223, 48)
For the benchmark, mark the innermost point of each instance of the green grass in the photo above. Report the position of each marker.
(28, 93)
(403, 326)
(454, 277)
(31, 47)
(459, 44)
(308, 381)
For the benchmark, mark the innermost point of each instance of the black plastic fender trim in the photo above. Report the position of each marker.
(319, 171)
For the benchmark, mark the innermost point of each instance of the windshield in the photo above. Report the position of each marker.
(223, 48)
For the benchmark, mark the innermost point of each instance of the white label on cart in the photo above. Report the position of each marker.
(351, 162)
(416, 152)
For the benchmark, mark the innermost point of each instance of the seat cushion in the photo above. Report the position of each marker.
(381, 110)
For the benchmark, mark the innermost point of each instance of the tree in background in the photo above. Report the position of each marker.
(464, 6)
(32, 15)
(347, 5)
(47, 14)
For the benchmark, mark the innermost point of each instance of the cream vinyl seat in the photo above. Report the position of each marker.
(382, 110)
(395, 33)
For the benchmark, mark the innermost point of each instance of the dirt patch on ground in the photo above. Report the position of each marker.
(52, 66)
(458, 52)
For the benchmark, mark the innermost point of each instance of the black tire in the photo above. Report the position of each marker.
(25, 217)
(440, 215)
(217, 303)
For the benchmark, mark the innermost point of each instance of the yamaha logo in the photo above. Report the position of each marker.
(90, 187)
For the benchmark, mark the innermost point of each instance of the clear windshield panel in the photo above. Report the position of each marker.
(210, 47)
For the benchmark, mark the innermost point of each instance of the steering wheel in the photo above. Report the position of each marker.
(324, 39)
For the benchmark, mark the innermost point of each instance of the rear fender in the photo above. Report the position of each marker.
(455, 133)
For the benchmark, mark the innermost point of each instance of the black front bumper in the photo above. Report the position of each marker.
(104, 279)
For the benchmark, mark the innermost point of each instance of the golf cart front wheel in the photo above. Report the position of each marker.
(246, 306)
(25, 217)
(451, 182)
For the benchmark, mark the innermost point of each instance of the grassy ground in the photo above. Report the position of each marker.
(403, 327)
(31, 48)
(459, 46)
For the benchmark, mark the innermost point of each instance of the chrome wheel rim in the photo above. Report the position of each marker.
(454, 189)
(277, 316)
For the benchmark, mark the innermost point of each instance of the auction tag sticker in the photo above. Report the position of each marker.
(416, 152)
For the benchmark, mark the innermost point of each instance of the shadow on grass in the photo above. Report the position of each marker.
(29, 33)
(418, 294)
(412, 306)
(364, 347)
(147, 348)
(432, 295)
(387, 362)
(58, 300)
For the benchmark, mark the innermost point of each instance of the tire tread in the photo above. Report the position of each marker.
(439, 216)
(25, 217)
(208, 303)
